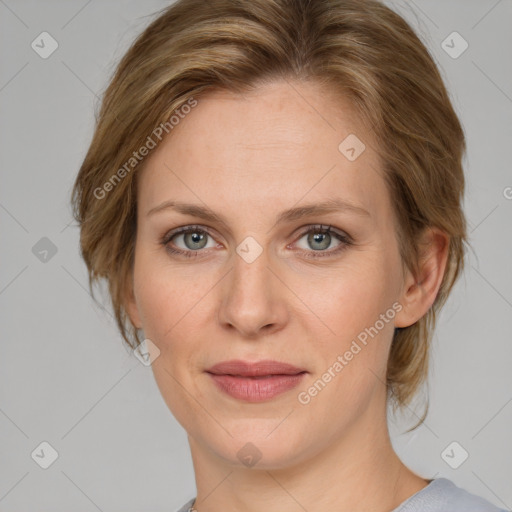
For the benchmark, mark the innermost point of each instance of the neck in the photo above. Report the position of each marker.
(357, 472)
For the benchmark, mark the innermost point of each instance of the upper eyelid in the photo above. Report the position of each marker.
(187, 228)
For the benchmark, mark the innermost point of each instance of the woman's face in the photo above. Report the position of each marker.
(252, 284)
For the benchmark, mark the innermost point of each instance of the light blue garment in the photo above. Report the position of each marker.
(440, 495)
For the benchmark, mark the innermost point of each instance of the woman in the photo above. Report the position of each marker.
(273, 193)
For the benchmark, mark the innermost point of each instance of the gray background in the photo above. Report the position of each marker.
(65, 376)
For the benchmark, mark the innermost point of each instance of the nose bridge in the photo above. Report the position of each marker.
(252, 300)
(250, 273)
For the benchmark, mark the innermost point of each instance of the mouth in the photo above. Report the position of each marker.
(255, 382)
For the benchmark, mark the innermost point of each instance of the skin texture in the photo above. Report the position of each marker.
(248, 158)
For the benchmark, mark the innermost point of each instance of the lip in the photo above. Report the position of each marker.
(255, 381)
(254, 369)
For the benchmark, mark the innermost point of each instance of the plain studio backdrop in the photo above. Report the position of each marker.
(66, 377)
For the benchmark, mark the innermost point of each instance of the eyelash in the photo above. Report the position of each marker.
(345, 239)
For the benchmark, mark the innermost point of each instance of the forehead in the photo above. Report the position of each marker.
(277, 145)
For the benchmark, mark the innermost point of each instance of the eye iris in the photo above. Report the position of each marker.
(196, 238)
(320, 237)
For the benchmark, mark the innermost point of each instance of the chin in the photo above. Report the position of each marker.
(259, 445)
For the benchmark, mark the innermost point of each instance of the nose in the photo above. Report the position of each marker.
(253, 298)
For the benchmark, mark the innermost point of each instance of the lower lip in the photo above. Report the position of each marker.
(256, 389)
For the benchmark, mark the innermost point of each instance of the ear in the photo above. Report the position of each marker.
(420, 291)
(131, 304)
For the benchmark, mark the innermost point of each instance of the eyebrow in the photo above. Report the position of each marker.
(297, 213)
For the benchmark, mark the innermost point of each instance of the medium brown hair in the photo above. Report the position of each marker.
(361, 50)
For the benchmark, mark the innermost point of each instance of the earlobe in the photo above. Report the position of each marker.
(420, 291)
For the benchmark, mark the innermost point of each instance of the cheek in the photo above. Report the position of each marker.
(169, 302)
(157, 298)
(347, 308)
(172, 301)
(156, 303)
(345, 301)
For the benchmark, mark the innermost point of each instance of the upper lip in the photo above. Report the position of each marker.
(254, 369)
